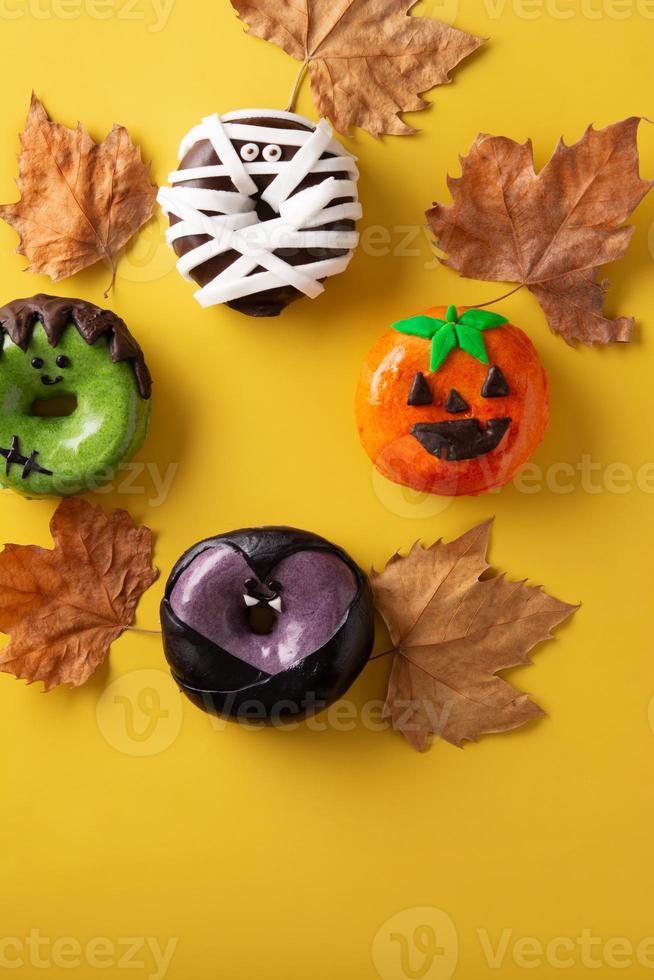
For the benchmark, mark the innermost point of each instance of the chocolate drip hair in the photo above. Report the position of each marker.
(55, 313)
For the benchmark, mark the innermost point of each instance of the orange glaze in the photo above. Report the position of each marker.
(385, 420)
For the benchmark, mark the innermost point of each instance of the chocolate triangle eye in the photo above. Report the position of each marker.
(495, 385)
(455, 403)
(420, 393)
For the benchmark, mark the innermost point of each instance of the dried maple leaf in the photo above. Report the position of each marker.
(549, 231)
(80, 202)
(64, 608)
(451, 633)
(368, 59)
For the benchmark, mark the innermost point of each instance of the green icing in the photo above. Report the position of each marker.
(463, 331)
(83, 450)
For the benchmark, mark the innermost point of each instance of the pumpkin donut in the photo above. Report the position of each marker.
(262, 209)
(452, 404)
(74, 393)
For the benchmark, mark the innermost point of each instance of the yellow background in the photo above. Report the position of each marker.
(288, 854)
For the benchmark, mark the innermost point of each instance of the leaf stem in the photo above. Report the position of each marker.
(491, 302)
(140, 629)
(112, 266)
(296, 87)
(386, 653)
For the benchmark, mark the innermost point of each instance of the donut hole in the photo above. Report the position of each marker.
(261, 619)
(60, 406)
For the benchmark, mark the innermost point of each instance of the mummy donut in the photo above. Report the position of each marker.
(262, 209)
(266, 623)
(452, 404)
(74, 396)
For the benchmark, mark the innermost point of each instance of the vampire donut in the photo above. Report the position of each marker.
(266, 624)
(262, 209)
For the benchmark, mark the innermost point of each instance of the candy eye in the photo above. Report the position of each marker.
(275, 586)
(272, 152)
(63, 361)
(250, 583)
(37, 362)
(249, 152)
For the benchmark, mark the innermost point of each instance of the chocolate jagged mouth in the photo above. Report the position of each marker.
(460, 438)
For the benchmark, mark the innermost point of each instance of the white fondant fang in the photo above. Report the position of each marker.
(250, 600)
(276, 604)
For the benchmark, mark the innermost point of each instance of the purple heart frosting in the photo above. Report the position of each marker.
(316, 591)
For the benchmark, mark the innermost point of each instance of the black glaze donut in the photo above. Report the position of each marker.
(266, 624)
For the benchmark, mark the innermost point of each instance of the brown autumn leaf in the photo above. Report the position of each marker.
(451, 633)
(80, 202)
(368, 59)
(550, 231)
(64, 608)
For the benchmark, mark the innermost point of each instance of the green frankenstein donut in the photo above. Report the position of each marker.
(74, 395)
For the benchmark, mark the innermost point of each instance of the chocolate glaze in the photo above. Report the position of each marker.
(221, 683)
(269, 302)
(460, 438)
(17, 320)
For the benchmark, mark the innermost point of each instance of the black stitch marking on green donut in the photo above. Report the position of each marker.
(13, 456)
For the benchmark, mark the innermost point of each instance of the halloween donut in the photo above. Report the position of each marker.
(266, 623)
(74, 395)
(452, 404)
(262, 209)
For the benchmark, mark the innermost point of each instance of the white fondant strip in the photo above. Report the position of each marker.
(224, 148)
(217, 292)
(232, 223)
(351, 211)
(258, 167)
(297, 169)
